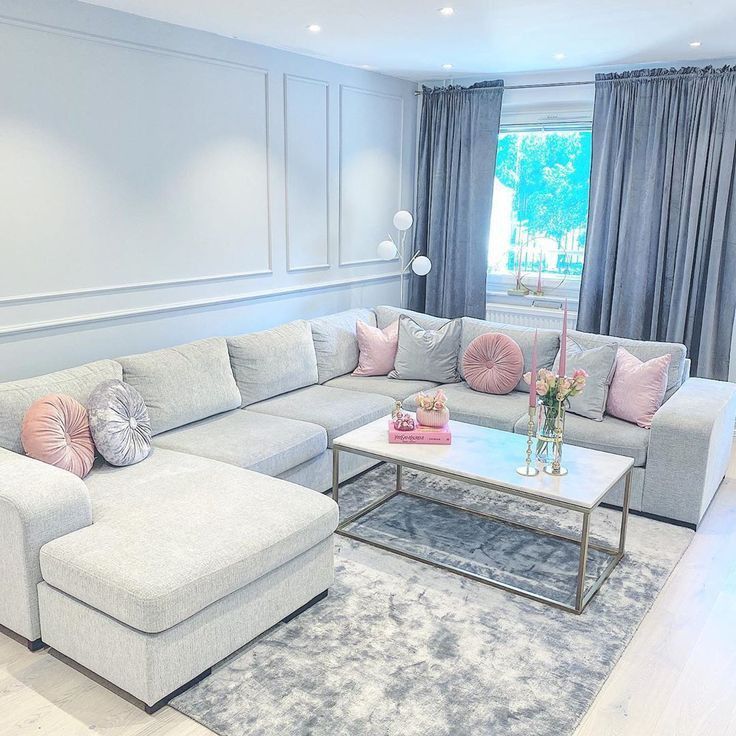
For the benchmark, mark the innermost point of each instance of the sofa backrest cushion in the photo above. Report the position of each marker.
(336, 341)
(183, 384)
(644, 350)
(548, 343)
(16, 397)
(272, 362)
(386, 315)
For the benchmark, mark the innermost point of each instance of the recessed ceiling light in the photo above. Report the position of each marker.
(368, 67)
(694, 44)
(314, 28)
(447, 11)
(559, 56)
(447, 66)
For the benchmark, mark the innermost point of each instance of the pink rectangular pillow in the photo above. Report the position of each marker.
(377, 349)
(638, 388)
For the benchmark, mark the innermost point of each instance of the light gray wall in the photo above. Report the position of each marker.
(159, 184)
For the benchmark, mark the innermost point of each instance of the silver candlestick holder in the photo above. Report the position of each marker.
(528, 469)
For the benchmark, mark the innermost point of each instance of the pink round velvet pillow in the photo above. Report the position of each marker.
(493, 363)
(56, 431)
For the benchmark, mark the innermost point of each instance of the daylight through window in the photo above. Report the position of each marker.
(540, 203)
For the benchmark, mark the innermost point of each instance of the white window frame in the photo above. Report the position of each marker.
(498, 284)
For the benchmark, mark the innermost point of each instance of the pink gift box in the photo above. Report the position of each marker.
(419, 436)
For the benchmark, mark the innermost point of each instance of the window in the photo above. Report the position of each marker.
(540, 206)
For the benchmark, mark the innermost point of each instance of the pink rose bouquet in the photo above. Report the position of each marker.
(554, 393)
(555, 389)
(432, 402)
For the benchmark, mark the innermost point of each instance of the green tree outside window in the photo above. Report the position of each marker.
(547, 173)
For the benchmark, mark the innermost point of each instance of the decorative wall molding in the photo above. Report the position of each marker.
(361, 90)
(275, 293)
(48, 296)
(169, 52)
(326, 85)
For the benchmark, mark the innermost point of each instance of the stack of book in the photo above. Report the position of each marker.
(420, 435)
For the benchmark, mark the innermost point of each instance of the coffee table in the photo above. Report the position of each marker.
(488, 458)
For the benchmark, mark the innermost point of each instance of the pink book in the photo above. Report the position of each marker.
(420, 435)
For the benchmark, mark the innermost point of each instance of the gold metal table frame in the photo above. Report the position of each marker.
(583, 596)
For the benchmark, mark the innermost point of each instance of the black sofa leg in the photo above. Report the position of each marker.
(35, 645)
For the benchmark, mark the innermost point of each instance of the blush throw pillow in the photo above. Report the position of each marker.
(119, 423)
(56, 431)
(493, 363)
(638, 388)
(427, 355)
(377, 349)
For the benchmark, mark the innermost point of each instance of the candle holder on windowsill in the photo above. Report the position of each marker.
(528, 469)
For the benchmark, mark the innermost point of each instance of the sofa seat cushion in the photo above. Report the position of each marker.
(266, 444)
(611, 435)
(336, 409)
(175, 533)
(393, 387)
(498, 411)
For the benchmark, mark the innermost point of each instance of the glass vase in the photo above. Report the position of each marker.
(547, 426)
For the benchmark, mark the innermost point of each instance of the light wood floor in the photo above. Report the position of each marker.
(676, 678)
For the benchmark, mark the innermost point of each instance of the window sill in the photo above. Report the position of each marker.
(498, 285)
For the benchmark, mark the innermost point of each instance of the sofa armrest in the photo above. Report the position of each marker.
(689, 449)
(38, 503)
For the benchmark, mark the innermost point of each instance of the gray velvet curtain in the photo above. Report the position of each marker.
(660, 259)
(458, 136)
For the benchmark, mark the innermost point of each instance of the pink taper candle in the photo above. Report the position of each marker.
(533, 382)
(563, 343)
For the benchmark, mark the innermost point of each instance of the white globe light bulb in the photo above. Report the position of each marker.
(386, 250)
(421, 265)
(403, 220)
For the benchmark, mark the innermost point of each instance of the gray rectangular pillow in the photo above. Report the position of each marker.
(427, 355)
(183, 384)
(336, 343)
(599, 363)
(548, 343)
(644, 350)
(16, 397)
(272, 362)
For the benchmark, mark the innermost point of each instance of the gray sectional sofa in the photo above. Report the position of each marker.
(149, 574)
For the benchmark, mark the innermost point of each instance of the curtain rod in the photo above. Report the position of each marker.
(542, 85)
(526, 86)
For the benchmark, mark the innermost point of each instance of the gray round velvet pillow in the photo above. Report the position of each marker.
(118, 420)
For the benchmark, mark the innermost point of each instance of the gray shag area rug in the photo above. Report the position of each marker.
(400, 648)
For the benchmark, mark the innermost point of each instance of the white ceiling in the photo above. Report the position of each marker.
(410, 38)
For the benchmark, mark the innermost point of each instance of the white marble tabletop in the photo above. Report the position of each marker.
(492, 456)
